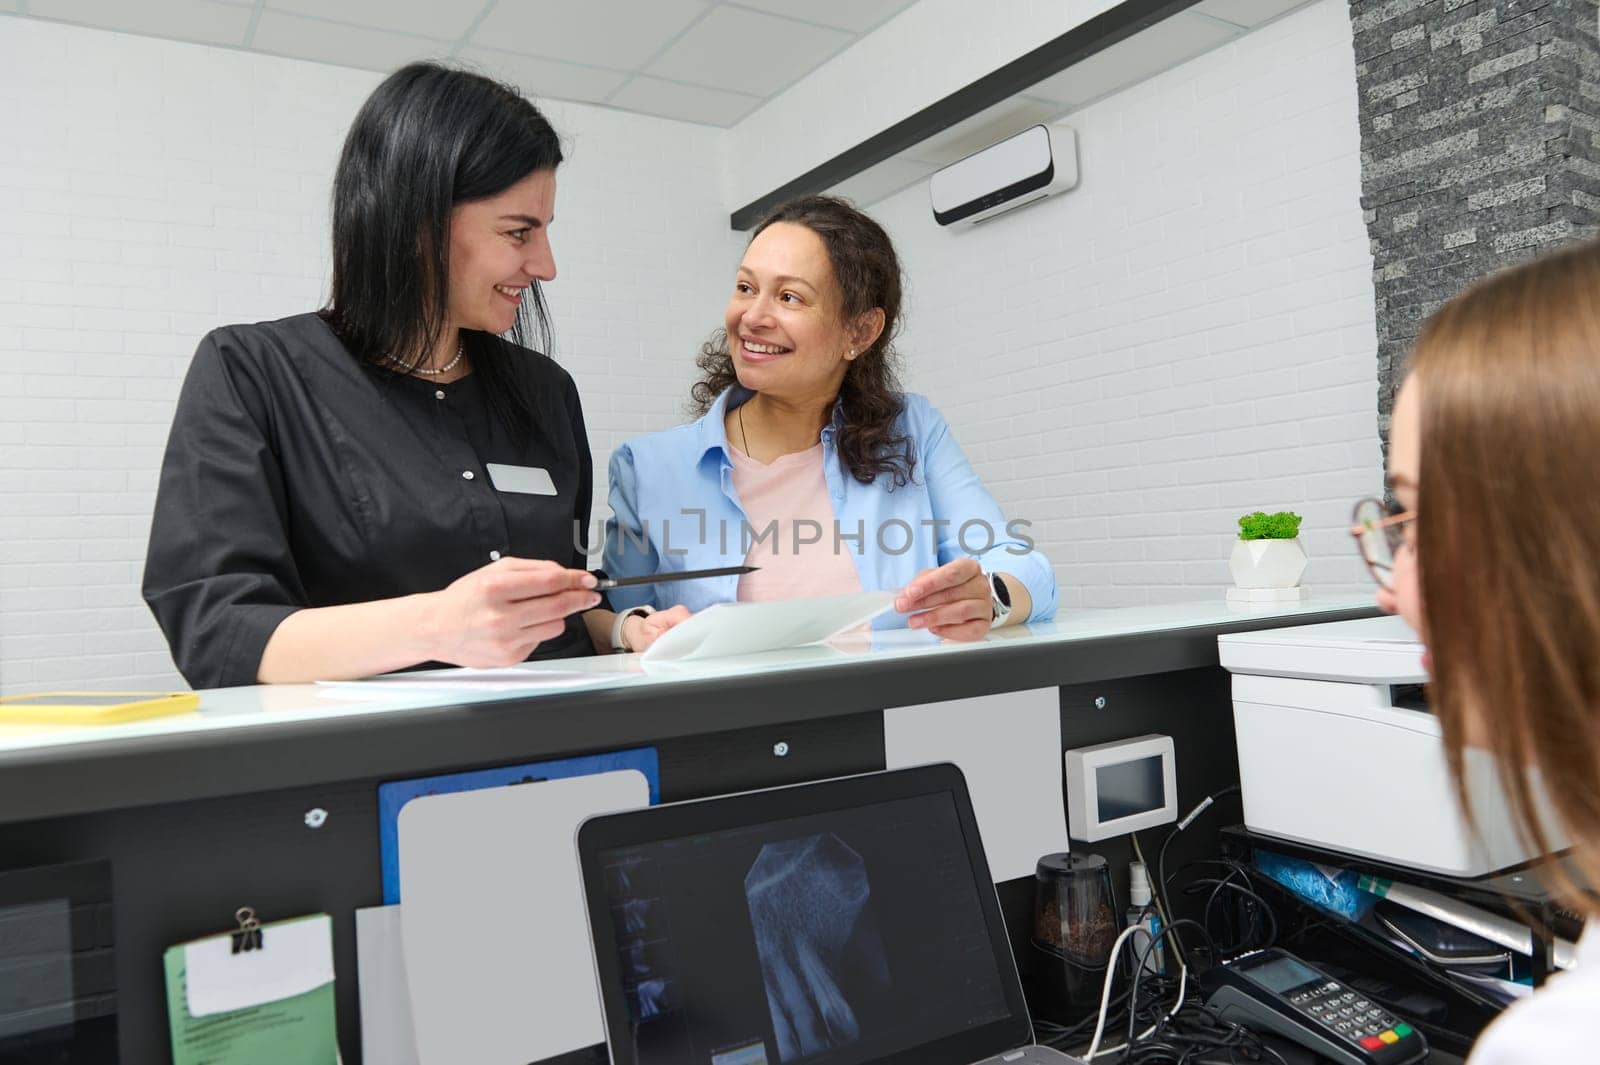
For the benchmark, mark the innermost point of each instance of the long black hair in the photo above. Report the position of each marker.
(428, 138)
(868, 274)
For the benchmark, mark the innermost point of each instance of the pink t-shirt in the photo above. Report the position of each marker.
(793, 492)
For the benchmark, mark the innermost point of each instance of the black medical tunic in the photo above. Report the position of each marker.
(296, 476)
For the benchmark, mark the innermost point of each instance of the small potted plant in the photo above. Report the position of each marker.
(1268, 559)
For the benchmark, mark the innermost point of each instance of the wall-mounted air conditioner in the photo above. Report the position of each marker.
(1038, 162)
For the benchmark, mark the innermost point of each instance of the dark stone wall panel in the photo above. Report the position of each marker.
(1480, 147)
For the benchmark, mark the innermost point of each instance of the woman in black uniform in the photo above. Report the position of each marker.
(388, 482)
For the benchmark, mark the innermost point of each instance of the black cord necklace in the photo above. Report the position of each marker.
(744, 441)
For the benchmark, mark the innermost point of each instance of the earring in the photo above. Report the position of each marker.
(851, 357)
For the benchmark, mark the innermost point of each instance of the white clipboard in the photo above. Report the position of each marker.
(496, 936)
(747, 628)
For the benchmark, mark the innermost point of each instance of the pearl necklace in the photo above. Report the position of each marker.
(461, 349)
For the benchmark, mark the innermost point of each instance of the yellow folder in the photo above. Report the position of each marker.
(93, 708)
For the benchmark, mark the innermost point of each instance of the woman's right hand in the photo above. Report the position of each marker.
(496, 615)
(639, 632)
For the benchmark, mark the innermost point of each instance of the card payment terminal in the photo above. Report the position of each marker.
(1273, 991)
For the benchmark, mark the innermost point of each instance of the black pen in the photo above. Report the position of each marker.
(607, 583)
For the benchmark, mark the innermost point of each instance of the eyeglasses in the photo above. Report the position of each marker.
(1379, 530)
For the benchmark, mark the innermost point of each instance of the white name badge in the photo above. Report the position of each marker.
(528, 480)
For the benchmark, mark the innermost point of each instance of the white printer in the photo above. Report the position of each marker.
(1327, 758)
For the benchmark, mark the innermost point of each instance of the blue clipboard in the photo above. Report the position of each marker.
(395, 794)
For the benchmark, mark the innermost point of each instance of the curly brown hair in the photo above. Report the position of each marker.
(868, 274)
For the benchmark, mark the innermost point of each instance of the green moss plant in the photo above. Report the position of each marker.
(1284, 525)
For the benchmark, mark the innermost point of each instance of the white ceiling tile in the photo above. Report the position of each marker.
(710, 107)
(983, 129)
(882, 181)
(184, 20)
(426, 18)
(349, 46)
(857, 16)
(746, 51)
(621, 34)
(1249, 13)
(1145, 54)
(546, 78)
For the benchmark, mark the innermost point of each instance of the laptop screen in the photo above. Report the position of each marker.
(848, 934)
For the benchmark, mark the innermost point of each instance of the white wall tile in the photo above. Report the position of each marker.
(561, 29)
(189, 20)
(545, 79)
(858, 16)
(425, 18)
(688, 103)
(332, 42)
(716, 51)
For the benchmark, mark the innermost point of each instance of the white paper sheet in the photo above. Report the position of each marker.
(496, 939)
(746, 628)
(295, 957)
(1009, 748)
(386, 1033)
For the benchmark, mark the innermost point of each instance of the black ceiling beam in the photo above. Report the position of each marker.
(1074, 46)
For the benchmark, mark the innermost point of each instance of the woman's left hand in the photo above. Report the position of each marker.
(641, 632)
(952, 602)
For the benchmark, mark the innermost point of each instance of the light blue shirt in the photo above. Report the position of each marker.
(674, 508)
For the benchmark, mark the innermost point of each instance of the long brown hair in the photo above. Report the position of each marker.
(1509, 539)
(867, 271)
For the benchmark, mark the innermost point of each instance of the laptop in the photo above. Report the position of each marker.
(847, 922)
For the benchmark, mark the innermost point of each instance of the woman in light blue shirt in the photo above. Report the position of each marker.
(808, 460)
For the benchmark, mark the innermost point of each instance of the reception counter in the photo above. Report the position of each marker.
(201, 813)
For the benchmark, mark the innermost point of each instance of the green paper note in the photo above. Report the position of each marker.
(299, 1029)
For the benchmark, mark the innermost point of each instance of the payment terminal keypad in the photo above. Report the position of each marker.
(1350, 1015)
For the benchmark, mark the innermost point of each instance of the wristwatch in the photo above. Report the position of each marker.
(999, 598)
(617, 644)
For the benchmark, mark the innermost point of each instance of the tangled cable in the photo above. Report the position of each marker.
(1184, 1033)
(1249, 924)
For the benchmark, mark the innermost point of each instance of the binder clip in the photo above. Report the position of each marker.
(248, 937)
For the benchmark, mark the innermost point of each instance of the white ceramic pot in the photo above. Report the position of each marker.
(1267, 563)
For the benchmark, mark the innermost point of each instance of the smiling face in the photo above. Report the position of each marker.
(498, 247)
(785, 326)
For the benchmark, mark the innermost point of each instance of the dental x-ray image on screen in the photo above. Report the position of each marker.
(822, 958)
(834, 937)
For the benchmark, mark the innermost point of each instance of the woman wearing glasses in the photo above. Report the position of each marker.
(1493, 556)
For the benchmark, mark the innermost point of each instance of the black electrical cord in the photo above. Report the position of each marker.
(1191, 1035)
(1141, 957)
(1247, 938)
(1196, 1037)
(1261, 908)
(1161, 856)
(1063, 1037)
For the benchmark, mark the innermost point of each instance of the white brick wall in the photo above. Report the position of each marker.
(1185, 337)
(151, 190)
